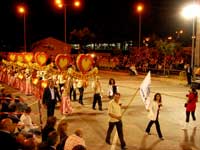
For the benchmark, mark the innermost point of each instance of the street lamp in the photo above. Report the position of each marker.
(22, 10)
(178, 33)
(139, 10)
(64, 4)
(192, 11)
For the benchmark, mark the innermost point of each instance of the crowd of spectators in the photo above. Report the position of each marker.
(144, 59)
(19, 132)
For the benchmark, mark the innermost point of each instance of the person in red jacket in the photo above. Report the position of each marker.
(190, 106)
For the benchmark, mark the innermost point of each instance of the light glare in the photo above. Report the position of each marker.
(76, 3)
(139, 8)
(191, 11)
(21, 10)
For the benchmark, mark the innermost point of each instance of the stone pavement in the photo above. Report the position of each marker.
(95, 123)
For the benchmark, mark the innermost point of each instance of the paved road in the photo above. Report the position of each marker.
(95, 123)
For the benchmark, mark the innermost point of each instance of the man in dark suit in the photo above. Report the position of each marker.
(189, 74)
(50, 98)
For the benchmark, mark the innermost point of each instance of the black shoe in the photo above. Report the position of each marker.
(81, 103)
(100, 109)
(108, 142)
(161, 138)
(124, 148)
(93, 108)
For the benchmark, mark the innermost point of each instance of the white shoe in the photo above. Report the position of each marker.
(147, 133)
(185, 127)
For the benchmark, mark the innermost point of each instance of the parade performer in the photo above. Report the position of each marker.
(112, 88)
(22, 82)
(115, 114)
(80, 86)
(28, 75)
(154, 109)
(190, 106)
(73, 86)
(66, 107)
(97, 93)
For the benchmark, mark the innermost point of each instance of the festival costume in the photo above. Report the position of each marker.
(66, 107)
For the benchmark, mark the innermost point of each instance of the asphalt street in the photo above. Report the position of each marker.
(95, 123)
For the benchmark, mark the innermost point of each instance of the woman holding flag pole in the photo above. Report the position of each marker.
(154, 109)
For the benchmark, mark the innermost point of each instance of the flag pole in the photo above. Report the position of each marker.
(130, 101)
(145, 84)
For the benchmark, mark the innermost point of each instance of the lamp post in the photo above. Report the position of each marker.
(22, 10)
(139, 10)
(192, 11)
(64, 4)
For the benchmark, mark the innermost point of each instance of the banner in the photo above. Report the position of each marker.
(145, 90)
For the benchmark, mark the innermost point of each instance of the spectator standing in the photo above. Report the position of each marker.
(188, 71)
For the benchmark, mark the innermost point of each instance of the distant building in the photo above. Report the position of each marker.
(51, 46)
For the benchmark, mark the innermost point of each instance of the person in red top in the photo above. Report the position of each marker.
(191, 106)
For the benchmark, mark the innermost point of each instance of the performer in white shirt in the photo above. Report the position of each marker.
(97, 93)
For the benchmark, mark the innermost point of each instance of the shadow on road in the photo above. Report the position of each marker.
(188, 143)
(143, 145)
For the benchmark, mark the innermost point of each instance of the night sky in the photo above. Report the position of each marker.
(109, 20)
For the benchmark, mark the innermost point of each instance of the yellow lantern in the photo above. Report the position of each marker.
(35, 81)
(20, 76)
(44, 83)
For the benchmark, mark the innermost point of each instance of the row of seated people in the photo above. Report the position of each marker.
(52, 137)
(18, 132)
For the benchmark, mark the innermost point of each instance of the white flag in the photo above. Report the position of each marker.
(145, 90)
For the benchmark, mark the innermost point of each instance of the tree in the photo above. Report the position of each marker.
(166, 48)
(83, 37)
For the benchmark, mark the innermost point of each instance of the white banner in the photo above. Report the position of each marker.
(145, 90)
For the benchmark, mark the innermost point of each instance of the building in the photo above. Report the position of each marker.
(51, 46)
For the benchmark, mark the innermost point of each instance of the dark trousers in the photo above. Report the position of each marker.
(119, 131)
(50, 108)
(97, 98)
(157, 127)
(188, 116)
(72, 92)
(81, 90)
(189, 78)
